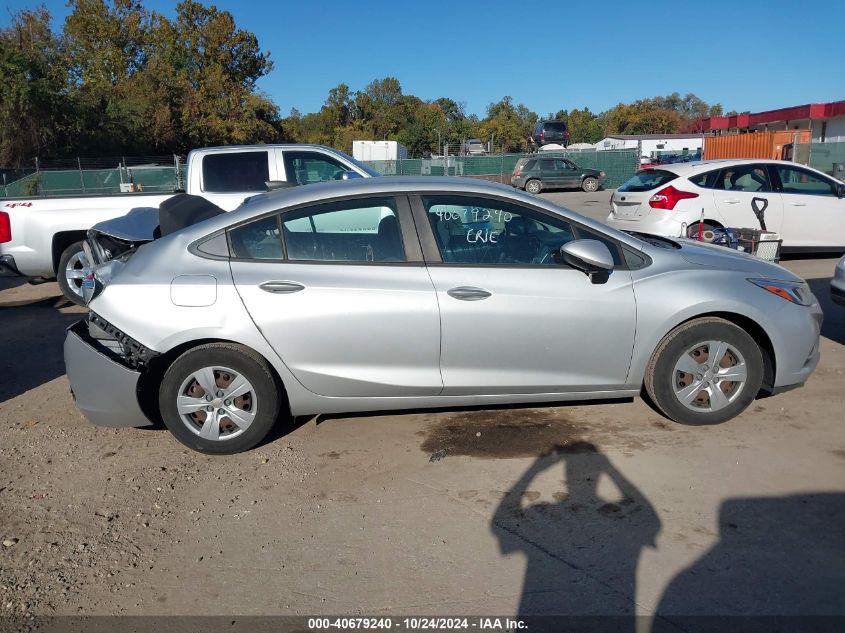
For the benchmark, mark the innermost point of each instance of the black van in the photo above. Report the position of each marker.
(546, 132)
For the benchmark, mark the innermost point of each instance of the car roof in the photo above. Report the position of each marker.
(704, 165)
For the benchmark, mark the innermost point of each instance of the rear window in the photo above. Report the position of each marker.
(647, 179)
(556, 126)
(235, 172)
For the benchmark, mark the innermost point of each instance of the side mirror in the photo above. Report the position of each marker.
(347, 175)
(840, 190)
(591, 256)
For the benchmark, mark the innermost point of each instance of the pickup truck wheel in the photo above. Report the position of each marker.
(705, 371)
(219, 398)
(590, 184)
(73, 266)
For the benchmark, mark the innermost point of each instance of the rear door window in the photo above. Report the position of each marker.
(748, 178)
(547, 164)
(362, 230)
(235, 172)
(647, 179)
(259, 239)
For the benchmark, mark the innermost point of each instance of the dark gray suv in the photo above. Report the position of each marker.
(537, 173)
(548, 132)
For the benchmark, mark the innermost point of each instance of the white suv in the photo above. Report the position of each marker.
(804, 205)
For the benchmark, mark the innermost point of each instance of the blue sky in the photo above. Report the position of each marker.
(750, 55)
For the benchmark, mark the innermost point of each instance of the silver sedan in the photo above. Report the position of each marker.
(399, 293)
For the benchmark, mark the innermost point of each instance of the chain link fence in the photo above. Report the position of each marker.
(167, 173)
(94, 176)
(618, 165)
(826, 157)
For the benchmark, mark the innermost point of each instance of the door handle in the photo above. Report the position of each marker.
(798, 204)
(731, 201)
(281, 287)
(468, 293)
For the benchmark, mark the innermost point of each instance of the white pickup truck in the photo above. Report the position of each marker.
(42, 237)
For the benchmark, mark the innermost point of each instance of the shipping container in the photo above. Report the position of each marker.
(775, 145)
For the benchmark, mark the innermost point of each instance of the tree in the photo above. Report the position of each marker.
(206, 69)
(34, 110)
(509, 125)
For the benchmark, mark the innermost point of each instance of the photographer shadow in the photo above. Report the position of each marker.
(582, 550)
(779, 565)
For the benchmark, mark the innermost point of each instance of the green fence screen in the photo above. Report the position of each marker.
(822, 156)
(91, 181)
(618, 165)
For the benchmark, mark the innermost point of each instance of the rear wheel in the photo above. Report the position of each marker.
(706, 371)
(590, 184)
(533, 186)
(219, 398)
(73, 266)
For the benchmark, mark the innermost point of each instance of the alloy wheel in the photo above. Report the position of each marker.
(75, 270)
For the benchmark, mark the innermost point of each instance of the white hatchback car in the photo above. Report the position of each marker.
(804, 205)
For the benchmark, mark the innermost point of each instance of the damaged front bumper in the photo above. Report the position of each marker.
(104, 375)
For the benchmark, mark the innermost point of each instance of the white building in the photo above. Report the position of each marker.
(653, 145)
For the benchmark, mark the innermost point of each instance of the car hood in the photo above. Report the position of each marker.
(136, 226)
(713, 256)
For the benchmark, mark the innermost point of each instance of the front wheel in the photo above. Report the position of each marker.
(219, 398)
(73, 266)
(590, 184)
(706, 371)
(533, 186)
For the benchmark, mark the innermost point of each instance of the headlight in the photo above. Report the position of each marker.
(792, 291)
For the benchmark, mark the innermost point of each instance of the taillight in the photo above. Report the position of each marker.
(542, 134)
(667, 198)
(5, 228)
(517, 172)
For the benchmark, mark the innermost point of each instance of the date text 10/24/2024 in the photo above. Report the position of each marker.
(417, 624)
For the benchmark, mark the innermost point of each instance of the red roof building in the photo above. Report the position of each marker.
(826, 121)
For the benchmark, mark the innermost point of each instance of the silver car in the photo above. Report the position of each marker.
(399, 293)
(837, 284)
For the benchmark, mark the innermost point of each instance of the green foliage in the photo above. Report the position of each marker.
(122, 79)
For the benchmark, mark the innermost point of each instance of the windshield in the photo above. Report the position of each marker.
(647, 179)
(367, 170)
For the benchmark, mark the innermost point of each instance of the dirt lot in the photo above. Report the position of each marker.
(437, 513)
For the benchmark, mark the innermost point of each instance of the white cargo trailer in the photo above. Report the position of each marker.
(378, 150)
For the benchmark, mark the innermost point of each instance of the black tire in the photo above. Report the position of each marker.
(243, 361)
(590, 184)
(533, 186)
(71, 288)
(659, 375)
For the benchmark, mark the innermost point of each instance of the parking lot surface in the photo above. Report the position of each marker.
(599, 509)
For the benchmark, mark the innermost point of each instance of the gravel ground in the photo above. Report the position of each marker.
(424, 512)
